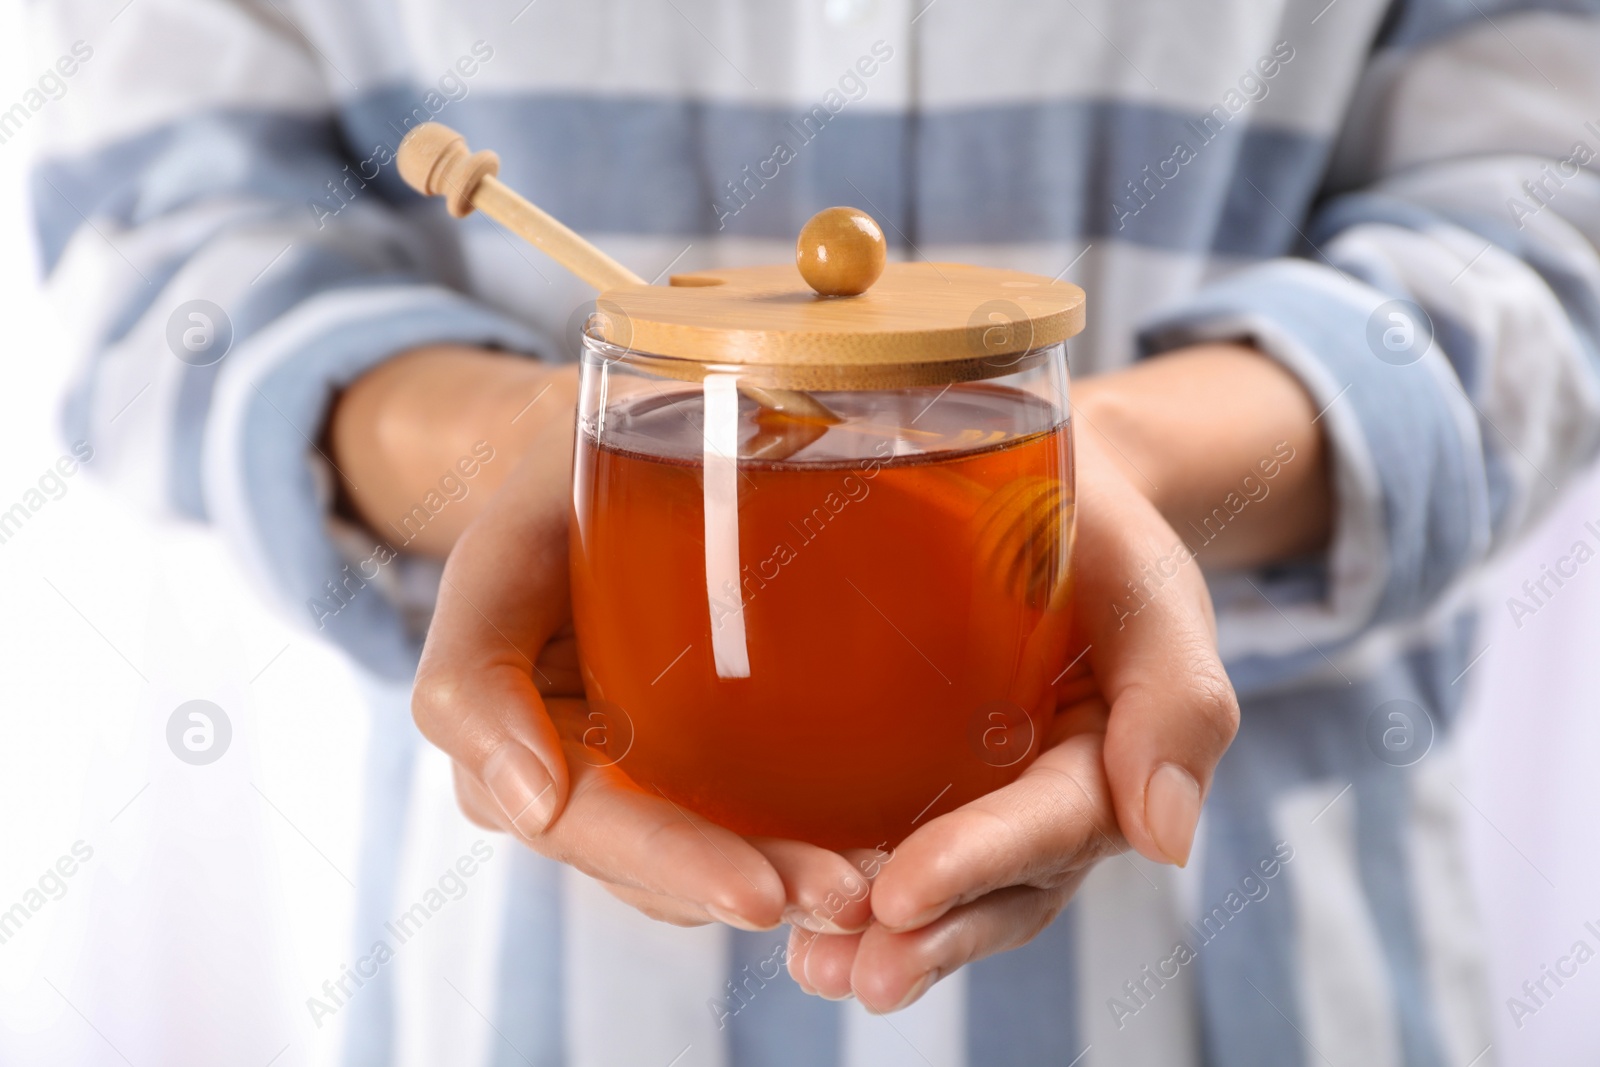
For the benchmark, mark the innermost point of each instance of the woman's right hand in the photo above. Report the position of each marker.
(499, 690)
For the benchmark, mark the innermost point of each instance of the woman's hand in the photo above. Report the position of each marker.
(499, 681)
(1141, 727)
(1147, 711)
(499, 690)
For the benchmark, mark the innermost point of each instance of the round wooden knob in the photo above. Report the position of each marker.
(841, 251)
(435, 161)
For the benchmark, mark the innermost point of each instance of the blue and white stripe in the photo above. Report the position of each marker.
(1381, 159)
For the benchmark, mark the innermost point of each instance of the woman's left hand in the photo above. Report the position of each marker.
(1128, 759)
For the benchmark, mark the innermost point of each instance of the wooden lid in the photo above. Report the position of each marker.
(914, 313)
(839, 306)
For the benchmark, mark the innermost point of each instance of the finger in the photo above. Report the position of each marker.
(1055, 820)
(618, 832)
(869, 861)
(890, 971)
(828, 962)
(658, 907)
(1088, 716)
(800, 942)
(641, 843)
(1173, 711)
(502, 595)
(826, 893)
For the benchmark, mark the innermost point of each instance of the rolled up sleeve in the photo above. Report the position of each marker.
(1444, 318)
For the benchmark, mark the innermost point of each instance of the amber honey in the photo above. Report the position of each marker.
(901, 607)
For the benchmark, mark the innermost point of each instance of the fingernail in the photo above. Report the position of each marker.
(521, 786)
(1172, 810)
(728, 918)
(916, 991)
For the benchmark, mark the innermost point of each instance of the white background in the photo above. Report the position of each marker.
(217, 897)
(216, 900)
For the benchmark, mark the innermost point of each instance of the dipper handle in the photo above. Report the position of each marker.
(435, 161)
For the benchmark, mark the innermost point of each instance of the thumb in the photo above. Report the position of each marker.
(502, 595)
(1145, 610)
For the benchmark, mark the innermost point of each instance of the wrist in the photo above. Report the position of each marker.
(1225, 442)
(1112, 416)
(438, 390)
(408, 426)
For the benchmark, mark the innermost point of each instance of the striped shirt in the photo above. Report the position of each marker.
(1397, 200)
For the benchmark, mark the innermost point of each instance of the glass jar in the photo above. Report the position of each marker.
(834, 631)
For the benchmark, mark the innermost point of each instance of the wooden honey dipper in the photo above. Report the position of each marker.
(435, 161)
(841, 252)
